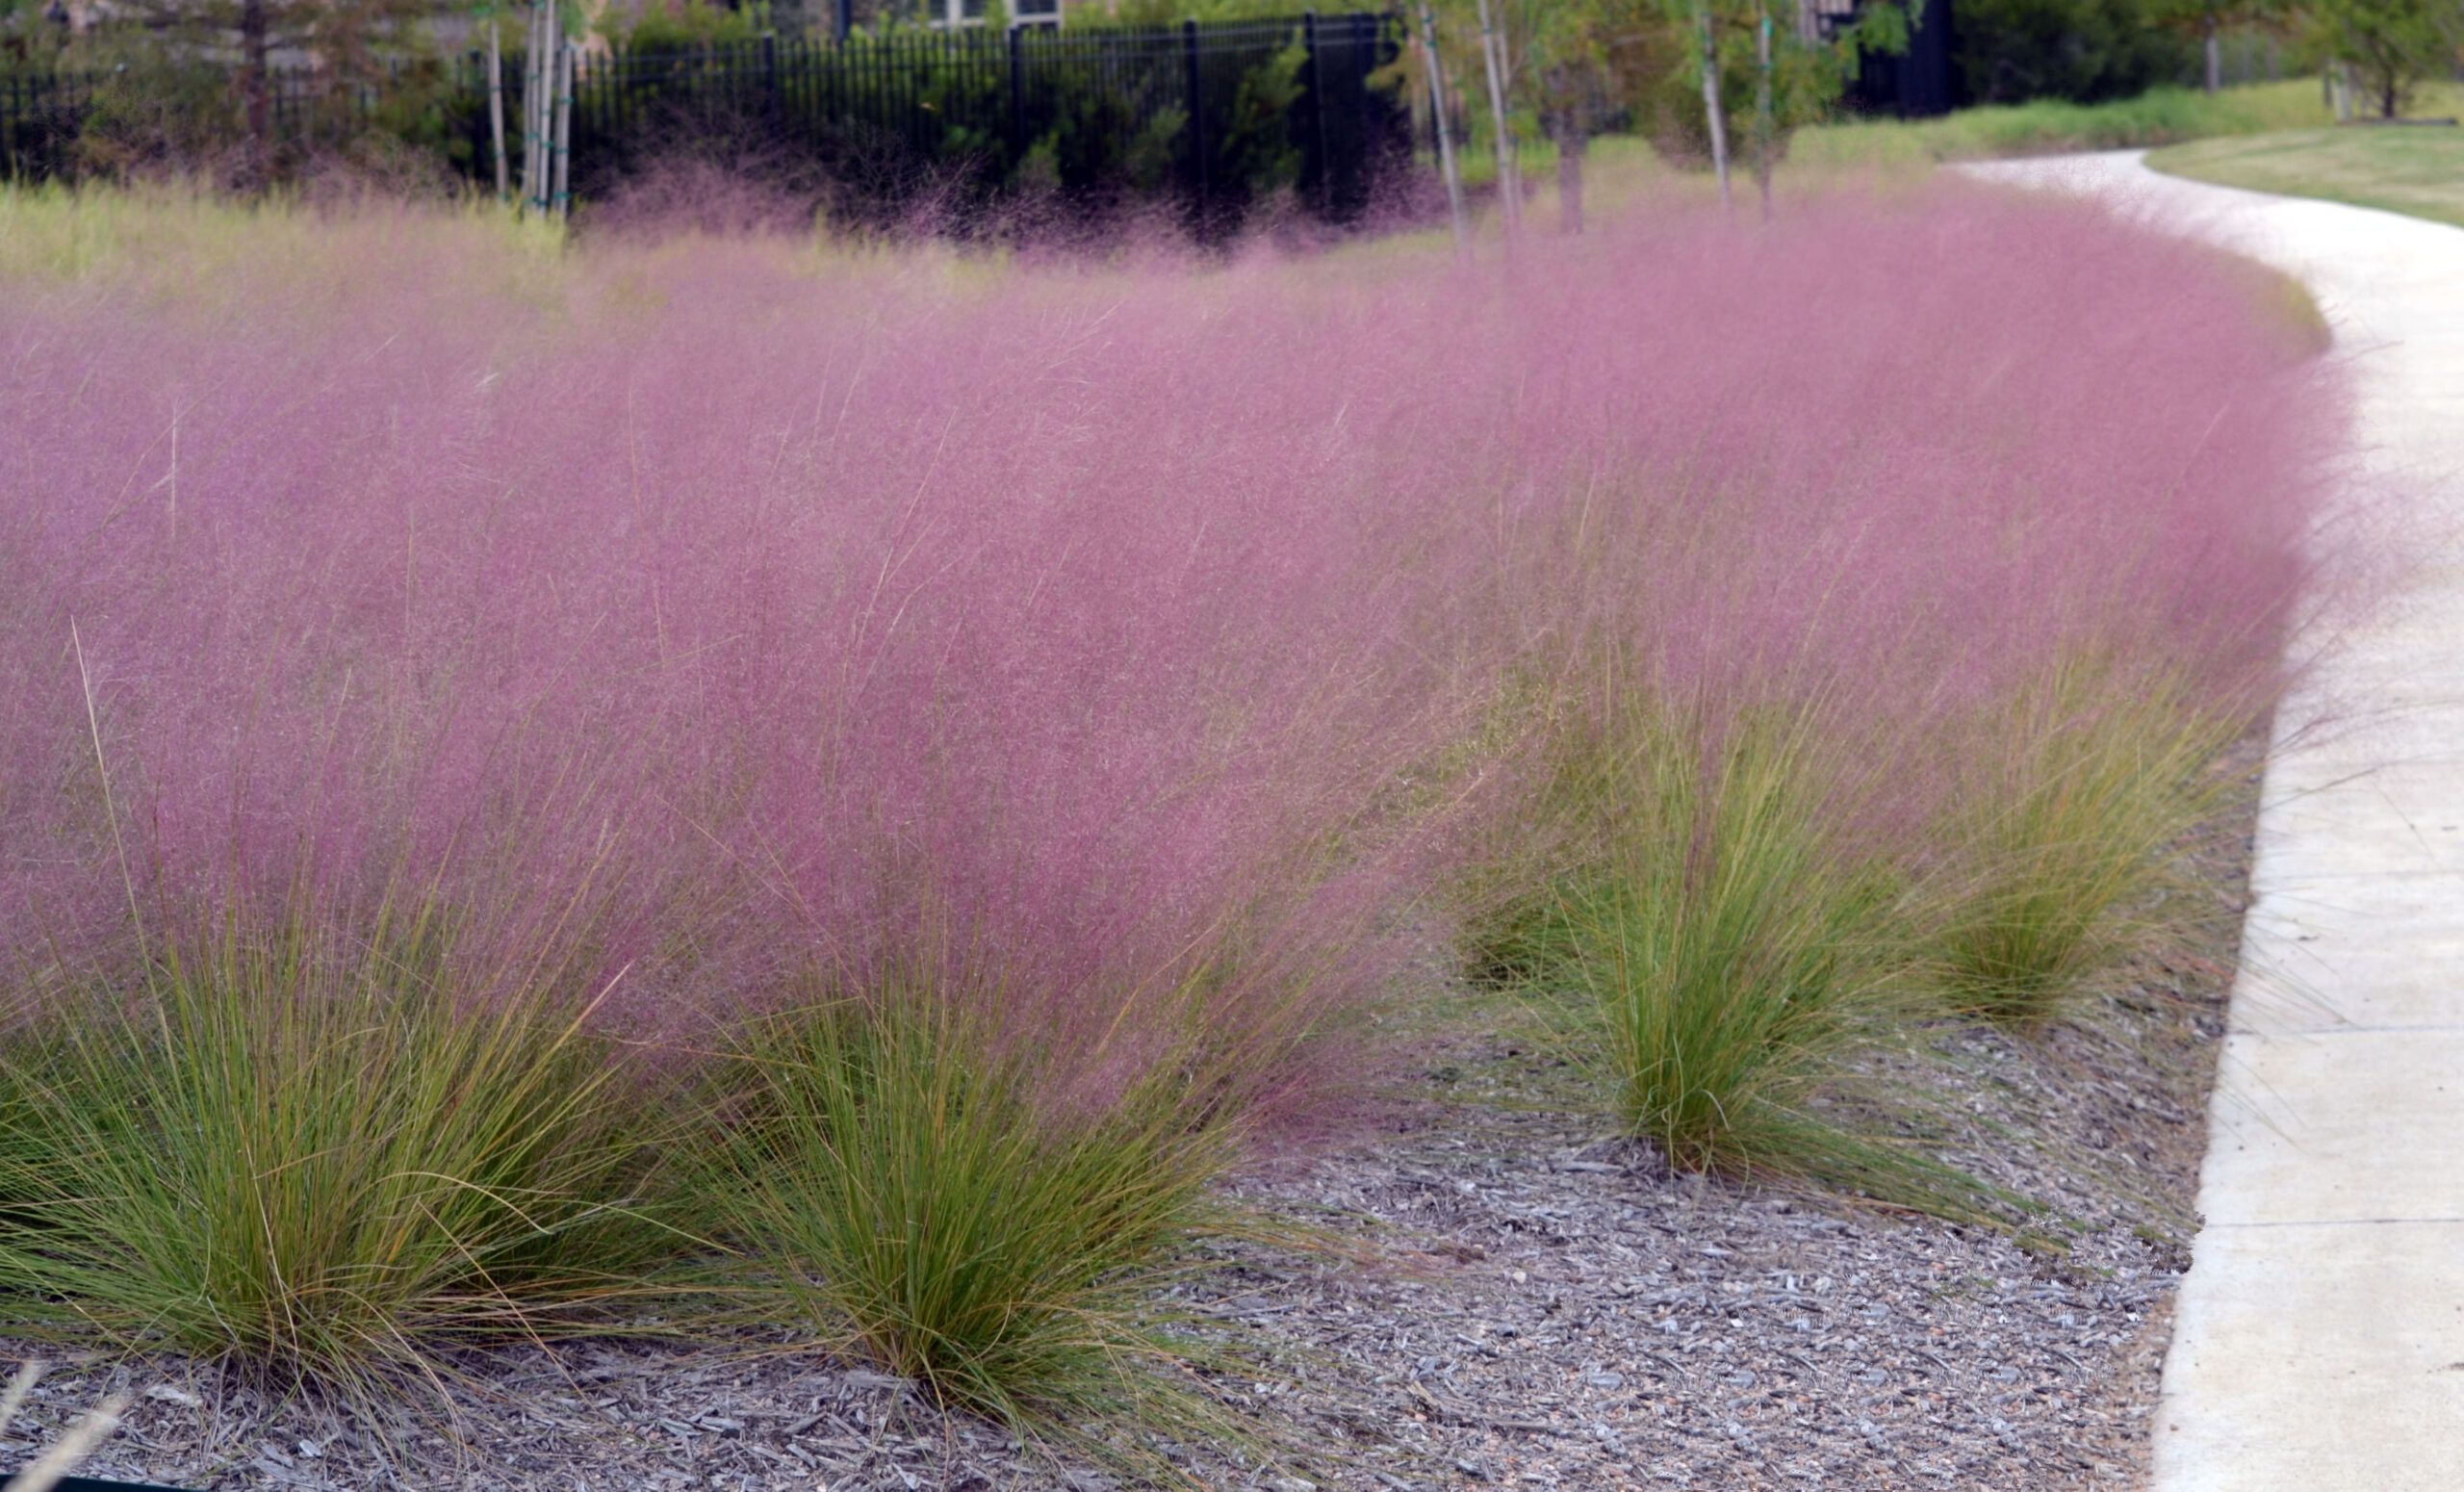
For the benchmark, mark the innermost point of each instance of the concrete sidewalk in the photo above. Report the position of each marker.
(2319, 1344)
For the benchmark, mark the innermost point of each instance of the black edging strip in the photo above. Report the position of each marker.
(89, 1485)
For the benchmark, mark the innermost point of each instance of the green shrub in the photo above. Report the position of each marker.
(683, 24)
(2087, 51)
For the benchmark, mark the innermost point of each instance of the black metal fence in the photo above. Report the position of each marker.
(1920, 83)
(175, 111)
(1217, 116)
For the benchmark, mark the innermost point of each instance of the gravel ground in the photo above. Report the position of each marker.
(1523, 1300)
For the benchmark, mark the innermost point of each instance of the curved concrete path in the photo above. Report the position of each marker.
(2319, 1340)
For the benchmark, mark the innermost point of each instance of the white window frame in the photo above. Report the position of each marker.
(951, 14)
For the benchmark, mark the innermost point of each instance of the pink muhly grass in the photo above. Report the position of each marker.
(1117, 627)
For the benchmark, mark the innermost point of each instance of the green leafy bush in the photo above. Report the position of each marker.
(674, 25)
(2086, 51)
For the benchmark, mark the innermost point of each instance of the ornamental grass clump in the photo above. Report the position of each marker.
(323, 1159)
(2075, 795)
(902, 1183)
(966, 612)
(1728, 941)
(990, 730)
(1890, 536)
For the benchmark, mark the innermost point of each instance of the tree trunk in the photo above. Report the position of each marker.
(496, 104)
(560, 180)
(1713, 113)
(256, 79)
(1764, 126)
(530, 63)
(2214, 49)
(1445, 132)
(1573, 139)
(1509, 178)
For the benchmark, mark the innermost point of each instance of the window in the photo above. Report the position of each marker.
(970, 13)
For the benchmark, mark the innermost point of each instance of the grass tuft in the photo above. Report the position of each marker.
(336, 1162)
(1727, 945)
(899, 1177)
(2076, 790)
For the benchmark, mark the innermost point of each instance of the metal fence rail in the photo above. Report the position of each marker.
(1215, 114)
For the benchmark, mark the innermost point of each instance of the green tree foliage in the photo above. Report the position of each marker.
(1573, 68)
(1808, 73)
(2392, 45)
(2011, 51)
(28, 40)
(2207, 21)
(175, 86)
(686, 23)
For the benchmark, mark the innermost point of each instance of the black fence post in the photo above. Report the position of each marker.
(1197, 115)
(773, 102)
(1018, 97)
(887, 90)
(1319, 163)
(842, 20)
(482, 148)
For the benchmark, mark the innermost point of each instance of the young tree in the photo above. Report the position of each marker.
(1716, 113)
(343, 39)
(2394, 45)
(1432, 60)
(1574, 56)
(1495, 61)
(1798, 72)
(1586, 57)
(1557, 61)
(1567, 60)
(2208, 20)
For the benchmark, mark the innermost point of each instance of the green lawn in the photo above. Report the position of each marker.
(2049, 127)
(2161, 117)
(2414, 169)
(2293, 110)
